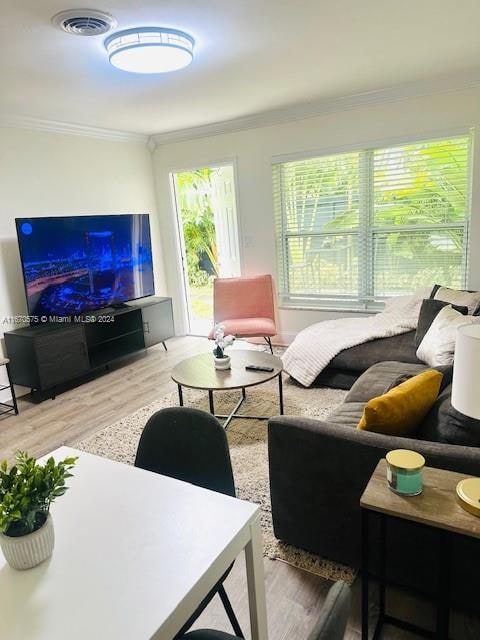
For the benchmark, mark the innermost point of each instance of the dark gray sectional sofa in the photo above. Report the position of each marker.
(319, 469)
(349, 364)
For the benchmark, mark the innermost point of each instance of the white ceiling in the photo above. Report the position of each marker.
(251, 56)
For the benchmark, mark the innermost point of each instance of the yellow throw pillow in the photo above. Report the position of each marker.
(401, 410)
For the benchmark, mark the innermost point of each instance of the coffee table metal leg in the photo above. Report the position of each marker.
(233, 413)
(210, 402)
(280, 392)
(244, 393)
(180, 395)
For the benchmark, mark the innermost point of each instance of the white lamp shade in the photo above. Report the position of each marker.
(466, 371)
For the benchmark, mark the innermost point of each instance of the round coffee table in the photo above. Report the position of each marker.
(198, 372)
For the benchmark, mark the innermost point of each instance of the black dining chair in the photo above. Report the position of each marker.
(191, 445)
(331, 624)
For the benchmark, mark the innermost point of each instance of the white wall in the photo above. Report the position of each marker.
(55, 174)
(252, 152)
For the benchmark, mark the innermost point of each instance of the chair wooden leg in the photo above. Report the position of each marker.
(230, 612)
(269, 342)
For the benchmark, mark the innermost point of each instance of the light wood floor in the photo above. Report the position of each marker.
(294, 597)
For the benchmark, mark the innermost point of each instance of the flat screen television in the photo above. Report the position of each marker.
(75, 264)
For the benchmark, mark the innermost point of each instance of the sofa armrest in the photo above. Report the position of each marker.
(319, 470)
(437, 454)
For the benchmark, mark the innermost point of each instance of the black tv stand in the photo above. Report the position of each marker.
(44, 357)
(118, 305)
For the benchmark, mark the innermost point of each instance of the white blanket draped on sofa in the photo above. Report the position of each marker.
(315, 346)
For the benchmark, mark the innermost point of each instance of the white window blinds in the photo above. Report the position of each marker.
(354, 228)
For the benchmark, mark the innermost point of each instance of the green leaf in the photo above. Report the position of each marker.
(28, 488)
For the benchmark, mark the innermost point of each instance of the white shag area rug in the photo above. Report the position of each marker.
(248, 447)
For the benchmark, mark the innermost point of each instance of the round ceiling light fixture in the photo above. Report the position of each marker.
(150, 49)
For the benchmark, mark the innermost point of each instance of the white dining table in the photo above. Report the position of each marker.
(135, 554)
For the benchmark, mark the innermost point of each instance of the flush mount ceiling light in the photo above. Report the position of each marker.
(150, 50)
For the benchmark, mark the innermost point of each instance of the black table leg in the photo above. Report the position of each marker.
(280, 392)
(180, 395)
(12, 389)
(244, 394)
(210, 402)
(444, 568)
(364, 571)
(382, 576)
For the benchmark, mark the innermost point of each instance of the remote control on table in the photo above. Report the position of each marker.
(257, 367)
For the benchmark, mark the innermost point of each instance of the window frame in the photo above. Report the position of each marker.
(364, 301)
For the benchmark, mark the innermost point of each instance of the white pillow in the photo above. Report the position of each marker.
(460, 298)
(438, 345)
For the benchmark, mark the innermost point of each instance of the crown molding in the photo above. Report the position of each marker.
(397, 93)
(442, 84)
(151, 144)
(53, 126)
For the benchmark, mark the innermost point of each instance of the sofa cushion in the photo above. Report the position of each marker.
(445, 424)
(347, 414)
(400, 411)
(380, 378)
(400, 348)
(428, 312)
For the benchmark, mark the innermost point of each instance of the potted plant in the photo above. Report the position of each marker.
(27, 489)
(222, 361)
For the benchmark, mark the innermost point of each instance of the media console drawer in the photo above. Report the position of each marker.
(61, 355)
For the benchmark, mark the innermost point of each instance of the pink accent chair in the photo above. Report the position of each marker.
(245, 307)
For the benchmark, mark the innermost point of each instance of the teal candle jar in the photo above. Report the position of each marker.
(404, 472)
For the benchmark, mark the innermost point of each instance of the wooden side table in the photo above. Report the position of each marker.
(436, 507)
(7, 407)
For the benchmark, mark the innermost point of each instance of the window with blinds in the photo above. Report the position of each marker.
(355, 228)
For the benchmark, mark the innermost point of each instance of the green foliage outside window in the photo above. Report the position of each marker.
(193, 190)
(377, 222)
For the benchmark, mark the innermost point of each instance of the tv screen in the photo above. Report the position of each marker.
(81, 263)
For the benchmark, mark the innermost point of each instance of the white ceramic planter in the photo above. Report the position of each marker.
(222, 363)
(27, 551)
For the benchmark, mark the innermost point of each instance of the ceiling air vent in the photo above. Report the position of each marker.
(84, 22)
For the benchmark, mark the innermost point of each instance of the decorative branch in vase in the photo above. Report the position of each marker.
(222, 360)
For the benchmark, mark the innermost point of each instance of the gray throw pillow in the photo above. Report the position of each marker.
(403, 377)
(445, 424)
(428, 312)
(445, 370)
